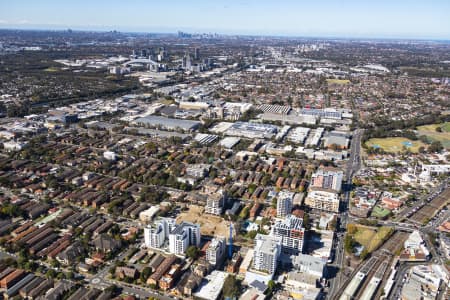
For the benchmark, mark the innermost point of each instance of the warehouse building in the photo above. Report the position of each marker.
(167, 123)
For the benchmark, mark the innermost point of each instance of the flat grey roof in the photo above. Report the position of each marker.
(168, 122)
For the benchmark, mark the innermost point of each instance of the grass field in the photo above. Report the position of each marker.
(394, 144)
(432, 127)
(370, 237)
(338, 81)
(433, 135)
(379, 212)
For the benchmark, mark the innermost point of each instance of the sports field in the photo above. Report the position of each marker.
(395, 144)
(433, 135)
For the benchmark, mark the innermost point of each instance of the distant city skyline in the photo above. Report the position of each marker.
(340, 18)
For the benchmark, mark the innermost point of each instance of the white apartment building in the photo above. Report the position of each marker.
(197, 170)
(323, 199)
(183, 236)
(266, 253)
(284, 203)
(156, 235)
(292, 234)
(215, 203)
(216, 251)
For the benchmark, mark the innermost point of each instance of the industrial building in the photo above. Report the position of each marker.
(252, 130)
(167, 123)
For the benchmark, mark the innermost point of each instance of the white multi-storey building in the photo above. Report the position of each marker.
(156, 235)
(183, 236)
(266, 253)
(327, 178)
(216, 251)
(292, 234)
(323, 199)
(284, 203)
(215, 203)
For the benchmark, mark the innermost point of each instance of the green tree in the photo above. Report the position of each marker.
(192, 252)
(146, 272)
(435, 146)
(364, 254)
(231, 287)
(274, 202)
(50, 273)
(349, 243)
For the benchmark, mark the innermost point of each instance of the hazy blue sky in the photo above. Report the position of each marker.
(347, 18)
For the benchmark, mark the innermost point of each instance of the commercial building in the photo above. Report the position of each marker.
(194, 105)
(423, 282)
(291, 118)
(215, 252)
(276, 109)
(284, 203)
(298, 135)
(322, 113)
(336, 139)
(309, 264)
(229, 142)
(205, 139)
(292, 234)
(314, 137)
(323, 199)
(184, 235)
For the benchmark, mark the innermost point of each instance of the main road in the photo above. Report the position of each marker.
(353, 165)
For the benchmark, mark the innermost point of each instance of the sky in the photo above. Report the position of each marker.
(428, 19)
